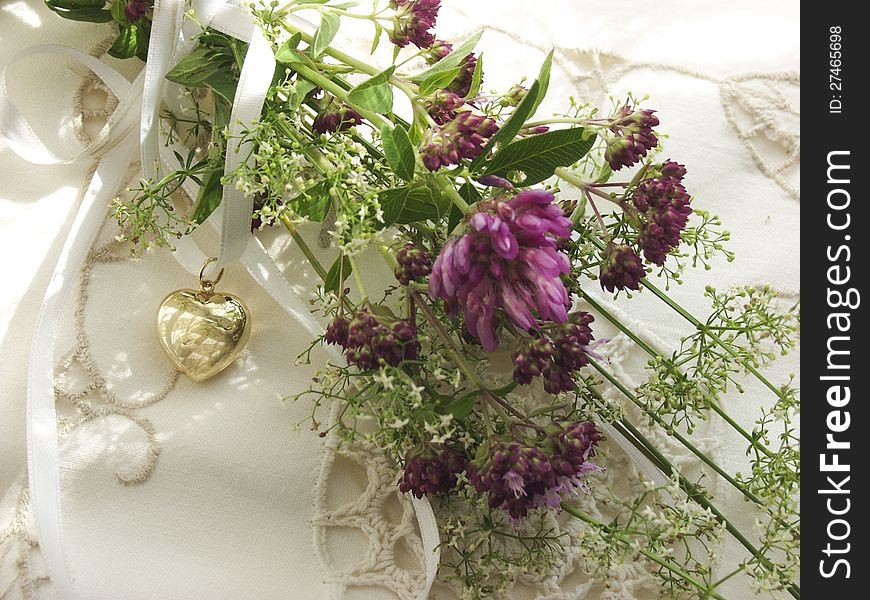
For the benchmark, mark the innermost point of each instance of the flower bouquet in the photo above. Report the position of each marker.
(482, 371)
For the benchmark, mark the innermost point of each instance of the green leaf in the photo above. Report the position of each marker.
(287, 54)
(543, 82)
(209, 198)
(303, 88)
(521, 113)
(461, 407)
(377, 39)
(194, 69)
(408, 204)
(127, 43)
(329, 23)
(399, 151)
(89, 11)
(451, 61)
(476, 78)
(538, 156)
(336, 275)
(512, 126)
(375, 93)
(313, 202)
(438, 81)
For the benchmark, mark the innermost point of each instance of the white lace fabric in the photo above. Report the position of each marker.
(182, 490)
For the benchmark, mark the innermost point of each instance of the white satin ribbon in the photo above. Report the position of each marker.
(117, 142)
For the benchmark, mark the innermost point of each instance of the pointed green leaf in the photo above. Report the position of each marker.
(537, 157)
(438, 81)
(210, 195)
(375, 93)
(127, 43)
(451, 61)
(543, 83)
(399, 151)
(337, 275)
(329, 23)
(476, 79)
(408, 204)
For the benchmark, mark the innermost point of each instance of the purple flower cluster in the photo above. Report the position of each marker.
(414, 21)
(519, 477)
(556, 355)
(664, 205)
(507, 261)
(136, 9)
(370, 344)
(335, 116)
(414, 263)
(443, 105)
(427, 472)
(622, 269)
(462, 137)
(632, 138)
(461, 85)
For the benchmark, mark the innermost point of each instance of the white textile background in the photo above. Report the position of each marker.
(229, 499)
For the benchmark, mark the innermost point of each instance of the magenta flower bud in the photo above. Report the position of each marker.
(632, 136)
(507, 263)
(621, 270)
(136, 9)
(463, 137)
(414, 21)
(443, 105)
(664, 206)
(430, 472)
(335, 116)
(414, 263)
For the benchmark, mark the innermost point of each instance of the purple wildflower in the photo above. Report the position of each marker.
(519, 477)
(427, 472)
(632, 138)
(370, 344)
(463, 137)
(443, 105)
(335, 116)
(461, 85)
(621, 270)
(556, 355)
(440, 49)
(506, 262)
(665, 207)
(413, 22)
(136, 9)
(496, 181)
(414, 263)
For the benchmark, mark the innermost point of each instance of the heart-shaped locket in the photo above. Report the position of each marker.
(202, 331)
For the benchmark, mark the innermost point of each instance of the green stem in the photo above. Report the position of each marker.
(306, 250)
(670, 566)
(640, 441)
(706, 331)
(677, 435)
(655, 354)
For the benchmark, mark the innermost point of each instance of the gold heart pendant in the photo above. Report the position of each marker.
(203, 331)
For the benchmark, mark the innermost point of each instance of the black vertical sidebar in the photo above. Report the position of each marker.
(835, 439)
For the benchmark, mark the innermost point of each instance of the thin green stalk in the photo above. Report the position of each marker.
(655, 354)
(677, 435)
(670, 566)
(707, 332)
(638, 440)
(306, 250)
